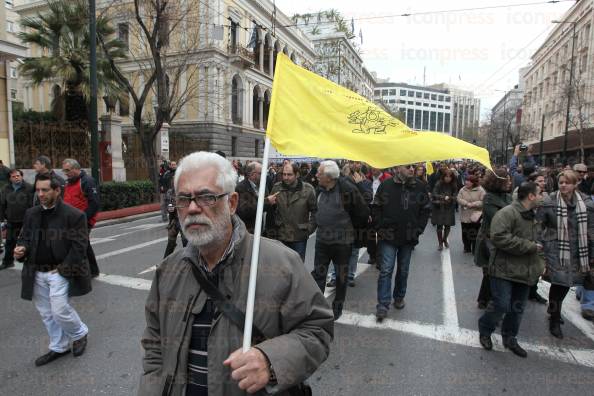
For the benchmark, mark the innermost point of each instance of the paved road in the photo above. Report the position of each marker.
(429, 348)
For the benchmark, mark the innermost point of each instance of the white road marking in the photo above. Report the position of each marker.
(111, 238)
(130, 248)
(571, 310)
(117, 280)
(125, 281)
(147, 226)
(450, 311)
(466, 337)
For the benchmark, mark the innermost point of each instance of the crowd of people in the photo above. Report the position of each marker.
(521, 223)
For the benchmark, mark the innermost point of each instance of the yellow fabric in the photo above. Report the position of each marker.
(429, 167)
(312, 116)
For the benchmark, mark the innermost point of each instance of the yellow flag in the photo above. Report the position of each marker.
(312, 116)
(429, 167)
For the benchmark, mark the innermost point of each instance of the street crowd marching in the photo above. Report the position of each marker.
(521, 223)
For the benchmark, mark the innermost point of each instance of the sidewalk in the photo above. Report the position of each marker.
(126, 215)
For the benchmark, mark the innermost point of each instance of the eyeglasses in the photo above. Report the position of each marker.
(184, 201)
(66, 170)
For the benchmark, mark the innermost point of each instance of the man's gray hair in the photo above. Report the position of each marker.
(330, 169)
(72, 162)
(227, 177)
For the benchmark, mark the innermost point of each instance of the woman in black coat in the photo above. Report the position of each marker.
(444, 198)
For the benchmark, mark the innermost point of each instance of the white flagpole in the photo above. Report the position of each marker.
(249, 310)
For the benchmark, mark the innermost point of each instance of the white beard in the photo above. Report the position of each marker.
(215, 231)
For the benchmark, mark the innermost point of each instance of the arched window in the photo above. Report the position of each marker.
(256, 107)
(236, 100)
(267, 47)
(266, 107)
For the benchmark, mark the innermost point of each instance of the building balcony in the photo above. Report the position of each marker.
(241, 56)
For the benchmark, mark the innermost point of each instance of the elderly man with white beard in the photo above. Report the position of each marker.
(192, 340)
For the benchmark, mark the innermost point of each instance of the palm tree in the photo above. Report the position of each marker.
(62, 35)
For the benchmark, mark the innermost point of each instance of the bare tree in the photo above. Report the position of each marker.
(164, 38)
(580, 112)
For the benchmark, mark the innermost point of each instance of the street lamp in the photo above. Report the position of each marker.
(570, 90)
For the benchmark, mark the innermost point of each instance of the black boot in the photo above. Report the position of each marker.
(555, 328)
(511, 343)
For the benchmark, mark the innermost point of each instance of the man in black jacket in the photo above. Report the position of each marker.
(248, 195)
(401, 209)
(17, 197)
(342, 213)
(53, 244)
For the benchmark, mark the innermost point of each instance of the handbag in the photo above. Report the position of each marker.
(476, 217)
(237, 317)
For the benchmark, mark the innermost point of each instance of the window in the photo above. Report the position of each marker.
(385, 92)
(418, 104)
(124, 105)
(447, 107)
(440, 98)
(403, 92)
(446, 125)
(425, 120)
(377, 92)
(425, 104)
(411, 102)
(123, 34)
(392, 92)
(411, 94)
(433, 97)
(402, 101)
(13, 94)
(233, 146)
(410, 119)
(13, 72)
(440, 106)
(419, 94)
(418, 119)
(426, 96)
(432, 121)
(448, 99)
(433, 105)
(392, 101)
(439, 122)
(10, 26)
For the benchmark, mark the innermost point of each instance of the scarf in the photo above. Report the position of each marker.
(563, 232)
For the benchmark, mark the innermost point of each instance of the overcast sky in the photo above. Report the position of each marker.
(477, 50)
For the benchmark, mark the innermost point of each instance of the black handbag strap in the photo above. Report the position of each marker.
(233, 313)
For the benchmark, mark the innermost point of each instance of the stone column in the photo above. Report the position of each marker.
(111, 127)
(271, 60)
(261, 53)
(162, 141)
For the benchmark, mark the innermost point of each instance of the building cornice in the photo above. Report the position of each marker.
(9, 50)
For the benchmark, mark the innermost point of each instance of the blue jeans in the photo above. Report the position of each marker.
(299, 246)
(353, 261)
(508, 300)
(388, 254)
(50, 295)
(586, 298)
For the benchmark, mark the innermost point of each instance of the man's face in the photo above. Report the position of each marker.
(16, 178)
(535, 199)
(69, 171)
(406, 170)
(581, 174)
(289, 176)
(255, 175)
(204, 225)
(39, 167)
(376, 172)
(47, 195)
(540, 181)
(323, 180)
(356, 167)
(173, 165)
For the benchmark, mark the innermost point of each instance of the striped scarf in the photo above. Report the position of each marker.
(563, 232)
